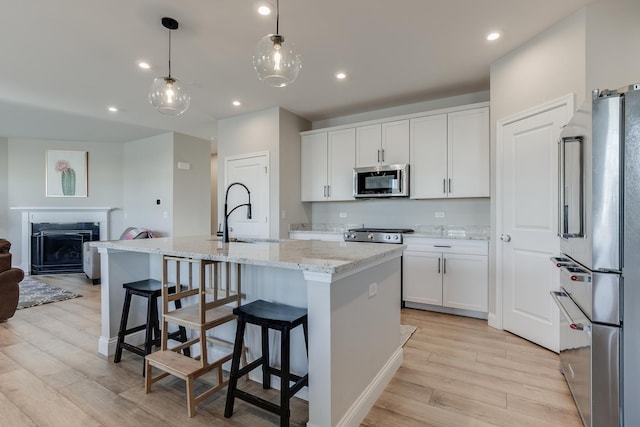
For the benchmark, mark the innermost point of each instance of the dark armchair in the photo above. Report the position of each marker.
(9, 279)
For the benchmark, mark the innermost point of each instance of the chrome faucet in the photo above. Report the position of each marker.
(225, 231)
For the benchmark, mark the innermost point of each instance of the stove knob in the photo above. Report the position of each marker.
(387, 236)
(396, 237)
(370, 236)
(353, 236)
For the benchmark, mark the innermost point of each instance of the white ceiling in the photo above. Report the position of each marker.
(65, 61)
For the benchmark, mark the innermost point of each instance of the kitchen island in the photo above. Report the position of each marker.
(351, 292)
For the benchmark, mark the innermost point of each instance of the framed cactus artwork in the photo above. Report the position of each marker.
(66, 174)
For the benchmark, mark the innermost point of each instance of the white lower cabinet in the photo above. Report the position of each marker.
(446, 272)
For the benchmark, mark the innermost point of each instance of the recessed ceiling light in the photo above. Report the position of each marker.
(236, 103)
(112, 109)
(493, 36)
(144, 65)
(341, 76)
(264, 10)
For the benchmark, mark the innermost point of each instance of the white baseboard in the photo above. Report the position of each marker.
(107, 346)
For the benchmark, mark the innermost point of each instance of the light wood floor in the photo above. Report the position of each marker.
(456, 372)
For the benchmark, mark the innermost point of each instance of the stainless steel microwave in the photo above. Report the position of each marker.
(381, 181)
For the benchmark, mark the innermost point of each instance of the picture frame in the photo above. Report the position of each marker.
(66, 173)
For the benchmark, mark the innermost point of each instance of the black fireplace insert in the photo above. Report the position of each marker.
(57, 247)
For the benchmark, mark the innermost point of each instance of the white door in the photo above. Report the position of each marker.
(251, 170)
(527, 181)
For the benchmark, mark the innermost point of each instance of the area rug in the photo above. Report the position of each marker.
(34, 293)
(405, 333)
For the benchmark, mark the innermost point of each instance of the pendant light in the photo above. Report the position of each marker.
(167, 94)
(275, 60)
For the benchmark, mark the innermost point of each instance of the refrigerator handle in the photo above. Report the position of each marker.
(556, 297)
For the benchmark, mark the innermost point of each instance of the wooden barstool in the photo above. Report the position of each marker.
(151, 290)
(267, 315)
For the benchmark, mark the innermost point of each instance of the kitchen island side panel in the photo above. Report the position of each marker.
(364, 348)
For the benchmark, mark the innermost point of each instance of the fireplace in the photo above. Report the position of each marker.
(57, 247)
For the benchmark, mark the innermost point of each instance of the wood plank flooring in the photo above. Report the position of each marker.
(456, 372)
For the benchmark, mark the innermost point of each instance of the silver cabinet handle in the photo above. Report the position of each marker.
(444, 266)
(449, 185)
(505, 237)
(378, 155)
(444, 185)
(383, 154)
(556, 297)
(324, 188)
(439, 259)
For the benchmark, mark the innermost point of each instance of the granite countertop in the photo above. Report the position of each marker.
(306, 255)
(469, 232)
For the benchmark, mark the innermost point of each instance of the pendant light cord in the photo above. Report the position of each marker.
(169, 53)
(278, 17)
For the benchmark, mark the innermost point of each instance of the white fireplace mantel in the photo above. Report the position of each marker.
(37, 214)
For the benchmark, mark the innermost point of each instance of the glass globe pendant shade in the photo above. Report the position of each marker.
(168, 96)
(276, 61)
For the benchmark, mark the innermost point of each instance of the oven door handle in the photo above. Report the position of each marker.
(556, 297)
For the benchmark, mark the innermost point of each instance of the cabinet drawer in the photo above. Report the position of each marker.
(458, 246)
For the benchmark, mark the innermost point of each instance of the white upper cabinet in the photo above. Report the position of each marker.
(327, 165)
(468, 153)
(382, 144)
(428, 169)
(314, 167)
(450, 155)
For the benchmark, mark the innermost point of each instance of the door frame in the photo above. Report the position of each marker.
(496, 319)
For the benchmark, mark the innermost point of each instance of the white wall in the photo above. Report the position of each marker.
(4, 187)
(26, 182)
(191, 188)
(418, 107)
(261, 131)
(613, 34)
(148, 177)
(550, 65)
(294, 211)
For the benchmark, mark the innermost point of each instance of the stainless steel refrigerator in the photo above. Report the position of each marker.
(599, 229)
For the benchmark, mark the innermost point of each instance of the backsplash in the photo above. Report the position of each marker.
(402, 213)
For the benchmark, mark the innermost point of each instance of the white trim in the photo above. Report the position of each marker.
(496, 319)
(30, 215)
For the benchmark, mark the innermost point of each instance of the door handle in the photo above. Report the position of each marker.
(505, 237)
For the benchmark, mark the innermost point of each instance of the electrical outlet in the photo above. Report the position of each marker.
(284, 214)
(343, 214)
(373, 289)
(439, 215)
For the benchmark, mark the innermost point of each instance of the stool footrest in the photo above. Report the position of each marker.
(257, 401)
(175, 363)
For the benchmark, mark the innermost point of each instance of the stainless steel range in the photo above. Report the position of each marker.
(376, 235)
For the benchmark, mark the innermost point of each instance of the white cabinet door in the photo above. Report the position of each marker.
(340, 164)
(314, 167)
(368, 145)
(465, 282)
(468, 153)
(395, 142)
(428, 157)
(421, 277)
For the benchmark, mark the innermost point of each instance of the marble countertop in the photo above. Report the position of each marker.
(306, 255)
